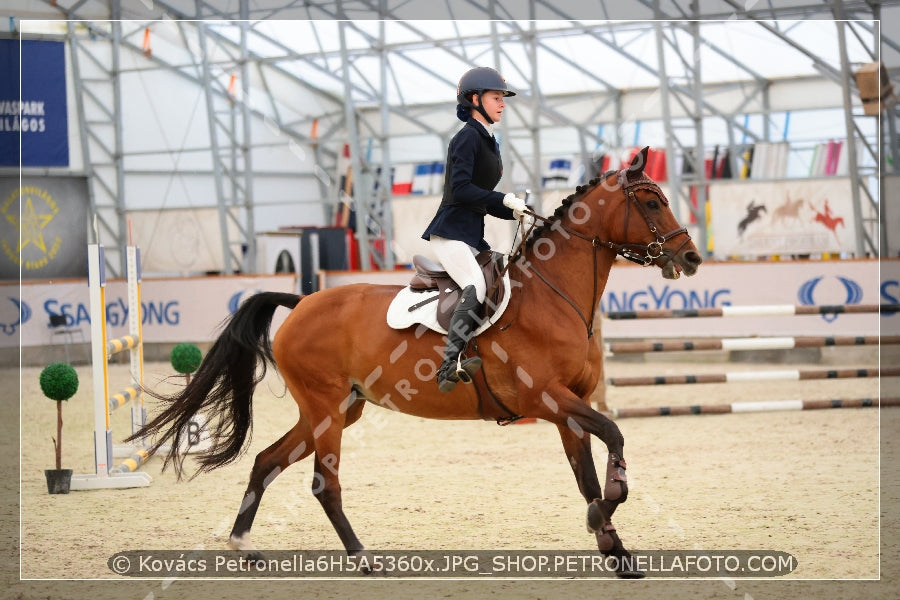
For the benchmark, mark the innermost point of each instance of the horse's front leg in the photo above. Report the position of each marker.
(576, 422)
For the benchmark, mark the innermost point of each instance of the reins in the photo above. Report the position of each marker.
(642, 254)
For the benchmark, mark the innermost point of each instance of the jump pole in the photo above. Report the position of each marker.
(770, 310)
(745, 376)
(106, 475)
(752, 343)
(748, 407)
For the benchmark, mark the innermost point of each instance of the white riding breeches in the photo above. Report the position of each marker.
(458, 259)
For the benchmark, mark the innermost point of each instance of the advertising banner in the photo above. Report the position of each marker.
(192, 309)
(37, 113)
(717, 284)
(174, 310)
(808, 216)
(43, 227)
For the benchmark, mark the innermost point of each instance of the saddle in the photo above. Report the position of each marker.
(433, 284)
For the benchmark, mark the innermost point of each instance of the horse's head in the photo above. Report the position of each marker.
(626, 212)
(639, 223)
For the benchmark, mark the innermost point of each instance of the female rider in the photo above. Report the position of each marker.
(456, 233)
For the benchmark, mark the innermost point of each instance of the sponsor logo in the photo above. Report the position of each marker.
(665, 297)
(848, 292)
(29, 210)
(23, 314)
(236, 299)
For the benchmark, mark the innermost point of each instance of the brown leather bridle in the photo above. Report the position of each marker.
(642, 254)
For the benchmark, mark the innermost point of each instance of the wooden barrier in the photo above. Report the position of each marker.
(764, 343)
(754, 311)
(745, 376)
(746, 407)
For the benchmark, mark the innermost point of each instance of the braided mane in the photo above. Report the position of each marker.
(563, 207)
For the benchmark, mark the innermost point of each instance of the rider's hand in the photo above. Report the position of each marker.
(527, 222)
(516, 204)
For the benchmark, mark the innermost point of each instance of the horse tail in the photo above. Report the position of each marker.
(222, 387)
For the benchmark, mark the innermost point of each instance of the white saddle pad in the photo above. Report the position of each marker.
(400, 315)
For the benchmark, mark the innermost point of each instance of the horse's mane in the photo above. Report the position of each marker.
(560, 211)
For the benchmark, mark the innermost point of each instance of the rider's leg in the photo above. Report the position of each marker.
(459, 261)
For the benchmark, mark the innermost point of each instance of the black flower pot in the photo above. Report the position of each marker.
(58, 480)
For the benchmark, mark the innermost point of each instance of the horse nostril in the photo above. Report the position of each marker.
(694, 258)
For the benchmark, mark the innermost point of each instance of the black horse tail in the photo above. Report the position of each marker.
(222, 387)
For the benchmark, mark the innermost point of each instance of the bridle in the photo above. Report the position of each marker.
(642, 254)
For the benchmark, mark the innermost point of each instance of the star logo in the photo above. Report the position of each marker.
(31, 227)
(29, 210)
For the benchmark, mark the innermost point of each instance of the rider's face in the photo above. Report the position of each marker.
(492, 100)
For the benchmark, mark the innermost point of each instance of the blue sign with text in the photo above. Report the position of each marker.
(34, 113)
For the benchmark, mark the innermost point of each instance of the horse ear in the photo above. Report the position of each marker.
(636, 168)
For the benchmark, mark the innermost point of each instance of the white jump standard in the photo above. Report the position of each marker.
(106, 475)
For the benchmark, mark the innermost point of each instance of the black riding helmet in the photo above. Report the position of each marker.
(478, 81)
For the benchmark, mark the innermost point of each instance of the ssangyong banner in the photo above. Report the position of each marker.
(175, 310)
(191, 310)
(717, 284)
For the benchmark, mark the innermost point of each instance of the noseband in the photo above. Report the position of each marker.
(642, 254)
(654, 249)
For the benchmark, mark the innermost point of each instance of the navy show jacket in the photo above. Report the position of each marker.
(473, 169)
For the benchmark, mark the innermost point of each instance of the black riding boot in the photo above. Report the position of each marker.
(463, 324)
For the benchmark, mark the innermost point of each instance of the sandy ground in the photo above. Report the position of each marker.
(806, 483)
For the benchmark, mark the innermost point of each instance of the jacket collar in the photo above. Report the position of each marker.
(485, 131)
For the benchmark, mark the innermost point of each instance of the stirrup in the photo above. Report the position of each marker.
(466, 369)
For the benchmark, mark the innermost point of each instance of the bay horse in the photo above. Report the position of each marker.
(336, 353)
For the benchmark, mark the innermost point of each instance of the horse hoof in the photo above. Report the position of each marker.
(243, 545)
(366, 564)
(630, 574)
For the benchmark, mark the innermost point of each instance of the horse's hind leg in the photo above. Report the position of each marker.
(295, 445)
(326, 484)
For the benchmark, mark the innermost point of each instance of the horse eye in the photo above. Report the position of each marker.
(654, 204)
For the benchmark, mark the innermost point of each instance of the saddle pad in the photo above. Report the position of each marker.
(399, 315)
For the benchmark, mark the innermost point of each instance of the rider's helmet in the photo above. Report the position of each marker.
(478, 81)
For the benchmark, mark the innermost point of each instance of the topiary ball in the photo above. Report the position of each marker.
(59, 381)
(186, 358)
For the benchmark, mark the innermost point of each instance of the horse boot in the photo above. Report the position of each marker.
(463, 323)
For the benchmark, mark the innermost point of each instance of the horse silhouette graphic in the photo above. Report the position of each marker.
(753, 211)
(827, 219)
(787, 212)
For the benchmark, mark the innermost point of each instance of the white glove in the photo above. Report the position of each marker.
(527, 222)
(516, 204)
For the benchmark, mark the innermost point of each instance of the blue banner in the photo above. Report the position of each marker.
(39, 113)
